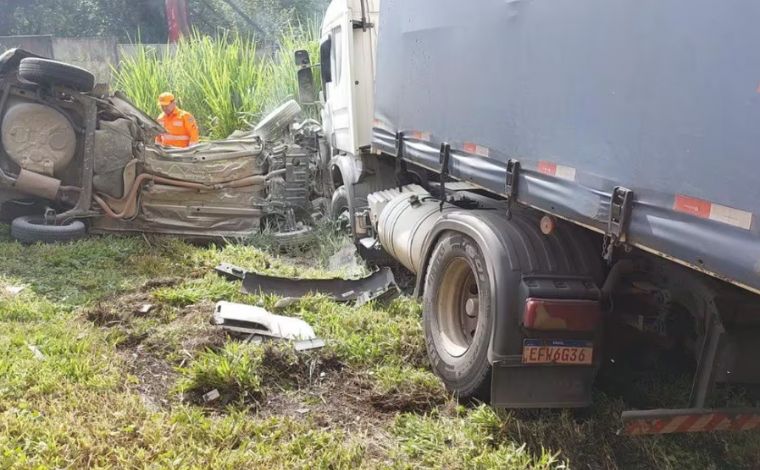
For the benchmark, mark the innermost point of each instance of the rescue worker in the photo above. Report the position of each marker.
(181, 128)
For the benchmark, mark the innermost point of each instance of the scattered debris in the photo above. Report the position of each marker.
(145, 308)
(347, 261)
(213, 395)
(285, 302)
(377, 284)
(257, 322)
(36, 351)
(14, 290)
(307, 344)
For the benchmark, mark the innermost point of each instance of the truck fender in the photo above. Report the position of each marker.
(346, 170)
(513, 247)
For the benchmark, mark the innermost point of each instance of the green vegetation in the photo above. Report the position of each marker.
(224, 81)
(89, 378)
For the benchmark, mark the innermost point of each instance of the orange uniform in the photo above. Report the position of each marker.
(181, 129)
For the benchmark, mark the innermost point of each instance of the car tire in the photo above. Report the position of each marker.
(457, 316)
(51, 72)
(276, 123)
(340, 210)
(32, 229)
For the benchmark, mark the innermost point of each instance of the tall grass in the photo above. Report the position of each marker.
(284, 82)
(224, 81)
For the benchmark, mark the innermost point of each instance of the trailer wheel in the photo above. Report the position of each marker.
(457, 316)
(52, 72)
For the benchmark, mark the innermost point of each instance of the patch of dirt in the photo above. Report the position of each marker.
(160, 282)
(416, 401)
(117, 310)
(155, 377)
(336, 400)
(198, 334)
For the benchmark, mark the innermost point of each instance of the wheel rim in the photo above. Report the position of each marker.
(458, 307)
(343, 220)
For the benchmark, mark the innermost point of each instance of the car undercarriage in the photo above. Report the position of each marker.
(76, 159)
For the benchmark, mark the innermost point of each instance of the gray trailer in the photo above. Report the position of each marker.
(555, 172)
(659, 99)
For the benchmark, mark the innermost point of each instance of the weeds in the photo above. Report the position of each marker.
(224, 81)
(83, 401)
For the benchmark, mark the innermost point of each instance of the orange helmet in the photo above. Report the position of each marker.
(165, 99)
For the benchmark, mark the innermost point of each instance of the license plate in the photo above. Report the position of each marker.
(539, 351)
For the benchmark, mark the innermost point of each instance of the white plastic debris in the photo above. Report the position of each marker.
(254, 320)
(145, 308)
(14, 290)
(211, 396)
(36, 351)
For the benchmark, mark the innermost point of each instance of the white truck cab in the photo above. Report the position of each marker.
(347, 58)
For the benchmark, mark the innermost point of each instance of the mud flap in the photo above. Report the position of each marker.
(520, 386)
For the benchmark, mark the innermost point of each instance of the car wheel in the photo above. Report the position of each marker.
(51, 72)
(275, 123)
(457, 316)
(340, 211)
(32, 229)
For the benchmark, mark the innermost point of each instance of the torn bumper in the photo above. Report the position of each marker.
(360, 291)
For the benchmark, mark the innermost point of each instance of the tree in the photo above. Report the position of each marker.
(128, 19)
(124, 19)
(265, 19)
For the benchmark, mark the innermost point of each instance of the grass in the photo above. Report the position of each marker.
(111, 386)
(224, 81)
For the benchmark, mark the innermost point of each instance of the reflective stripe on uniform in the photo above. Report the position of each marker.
(175, 137)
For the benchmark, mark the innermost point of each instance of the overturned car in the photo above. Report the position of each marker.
(75, 159)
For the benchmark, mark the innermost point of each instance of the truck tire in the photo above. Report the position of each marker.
(457, 316)
(340, 211)
(32, 229)
(51, 72)
(276, 122)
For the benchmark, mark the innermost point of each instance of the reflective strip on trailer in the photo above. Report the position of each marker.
(476, 149)
(636, 423)
(380, 124)
(560, 171)
(707, 210)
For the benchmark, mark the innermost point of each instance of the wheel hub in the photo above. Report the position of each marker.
(458, 307)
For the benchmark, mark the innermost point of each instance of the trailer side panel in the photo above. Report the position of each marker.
(659, 97)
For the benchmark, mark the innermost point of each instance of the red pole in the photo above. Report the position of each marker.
(176, 18)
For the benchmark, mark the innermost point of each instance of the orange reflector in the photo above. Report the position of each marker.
(567, 315)
(637, 423)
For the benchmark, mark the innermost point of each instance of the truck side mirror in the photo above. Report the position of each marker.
(306, 90)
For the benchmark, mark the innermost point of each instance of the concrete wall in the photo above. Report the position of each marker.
(98, 55)
(40, 45)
